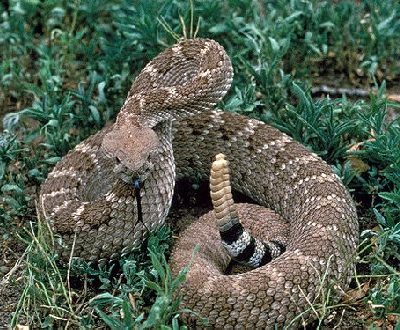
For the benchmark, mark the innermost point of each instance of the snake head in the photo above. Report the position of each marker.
(131, 148)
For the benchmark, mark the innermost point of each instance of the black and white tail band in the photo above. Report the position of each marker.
(239, 243)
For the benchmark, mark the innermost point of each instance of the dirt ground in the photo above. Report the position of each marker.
(11, 280)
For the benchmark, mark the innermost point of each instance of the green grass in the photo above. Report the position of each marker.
(66, 68)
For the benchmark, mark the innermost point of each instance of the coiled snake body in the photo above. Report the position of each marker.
(166, 128)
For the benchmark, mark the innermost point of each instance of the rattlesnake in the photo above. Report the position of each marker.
(167, 128)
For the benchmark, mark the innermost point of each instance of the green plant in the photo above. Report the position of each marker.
(47, 297)
(140, 281)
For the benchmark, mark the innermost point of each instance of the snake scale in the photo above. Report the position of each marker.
(167, 129)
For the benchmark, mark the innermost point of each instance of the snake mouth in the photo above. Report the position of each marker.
(129, 174)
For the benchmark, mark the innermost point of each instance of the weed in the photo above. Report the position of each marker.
(322, 305)
(47, 297)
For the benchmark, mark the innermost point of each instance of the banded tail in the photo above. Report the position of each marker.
(240, 244)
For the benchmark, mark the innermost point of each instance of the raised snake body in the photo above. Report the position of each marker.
(88, 197)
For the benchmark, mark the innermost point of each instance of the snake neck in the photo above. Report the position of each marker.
(191, 77)
(158, 187)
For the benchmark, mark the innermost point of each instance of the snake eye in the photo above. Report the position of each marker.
(117, 160)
